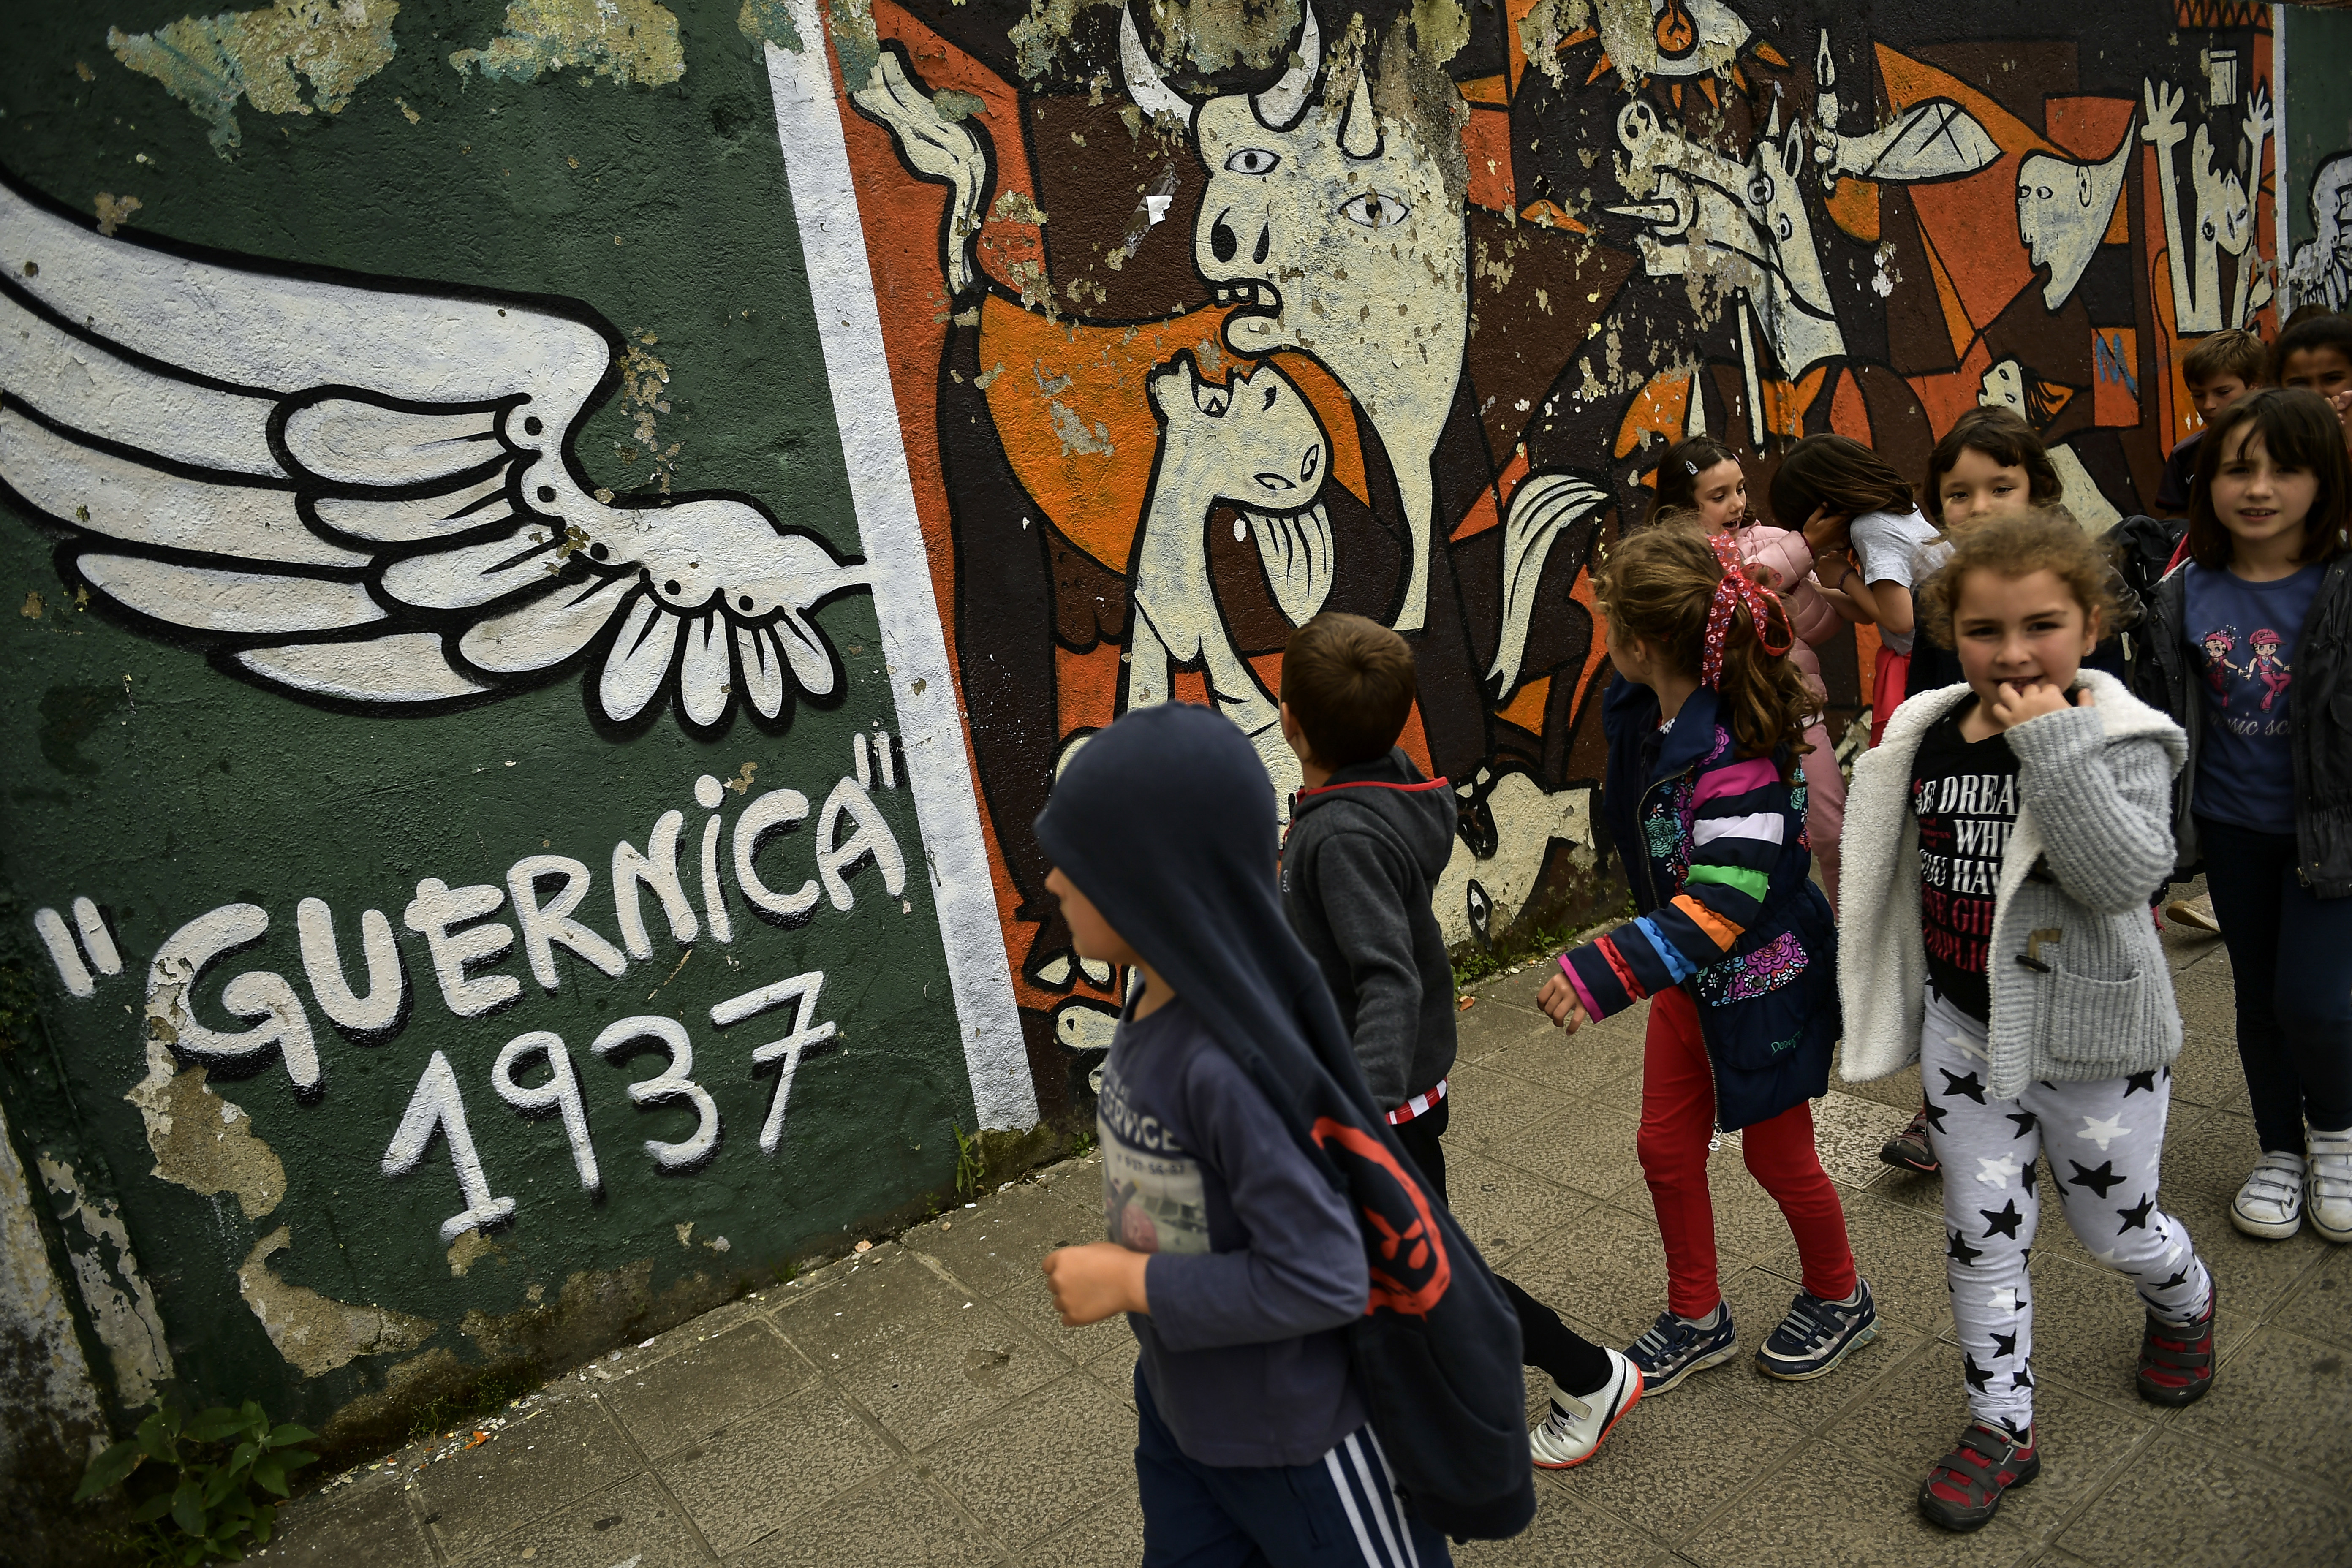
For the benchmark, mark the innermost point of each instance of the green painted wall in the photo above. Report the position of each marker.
(2318, 128)
(138, 775)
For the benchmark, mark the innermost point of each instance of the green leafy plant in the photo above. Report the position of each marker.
(199, 1503)
(970, 1173)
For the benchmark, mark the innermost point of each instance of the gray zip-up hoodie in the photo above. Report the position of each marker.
(2080, 986)
(1363, 852)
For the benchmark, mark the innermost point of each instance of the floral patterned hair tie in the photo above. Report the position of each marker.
(1773, 632)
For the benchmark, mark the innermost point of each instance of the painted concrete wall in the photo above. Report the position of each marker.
(2316, 135)
(561, 546)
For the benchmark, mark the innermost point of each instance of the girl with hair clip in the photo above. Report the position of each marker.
(2001, 844)
(1734, 947)
(1840, 495)
(1703, 476)
(2249, 647)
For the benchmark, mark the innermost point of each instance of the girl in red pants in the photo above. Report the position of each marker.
(1733, 942)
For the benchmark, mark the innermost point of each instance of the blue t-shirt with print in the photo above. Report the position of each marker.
(2241, 638)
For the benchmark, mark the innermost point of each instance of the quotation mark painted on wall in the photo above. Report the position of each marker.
(96, 940)
(872, 755)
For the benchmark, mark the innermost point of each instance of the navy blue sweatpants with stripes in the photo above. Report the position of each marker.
(1340, 1509)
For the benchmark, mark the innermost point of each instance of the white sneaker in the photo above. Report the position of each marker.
(2329, 1186)
(2270, 1205)
(1567, 1436)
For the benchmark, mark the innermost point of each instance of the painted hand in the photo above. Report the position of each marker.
(1091, 1282)
(2258, 119)
(2164, 102)
(1557, 1000)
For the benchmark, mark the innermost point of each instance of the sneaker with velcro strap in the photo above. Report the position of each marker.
(1676, 1347)
(2176, 1360)
(1816, 1335)
(2270, 1205)
(1965, 1488)
(2327, 1185)
(1575, 1426)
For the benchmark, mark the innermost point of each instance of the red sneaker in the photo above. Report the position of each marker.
(1965, 1488)
(2176, 1362)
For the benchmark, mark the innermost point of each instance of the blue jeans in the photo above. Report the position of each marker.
(1340, 1509)
(2291, 955)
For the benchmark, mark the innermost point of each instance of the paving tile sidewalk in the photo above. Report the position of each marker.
(920, 1404)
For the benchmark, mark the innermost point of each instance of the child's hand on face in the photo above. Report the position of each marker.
(1825, 531)
(2342, 403)
(1091, 1282)
(2014, 703)
(1558, 999)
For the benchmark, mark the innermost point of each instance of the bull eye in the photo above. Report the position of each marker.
(1373, 210)
(1270, 393)
(2043, 191)
(1252, 161)
(1309, 463)
(1760, 188)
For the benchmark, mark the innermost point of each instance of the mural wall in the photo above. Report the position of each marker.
(562, 550)
(2316, 137)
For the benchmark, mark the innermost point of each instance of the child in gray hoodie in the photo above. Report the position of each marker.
(1369, 838)
(2001, 844)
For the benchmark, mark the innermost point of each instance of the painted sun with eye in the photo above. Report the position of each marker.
(1686, 39)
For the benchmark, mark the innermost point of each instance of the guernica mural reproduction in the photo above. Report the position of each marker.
(562, 551)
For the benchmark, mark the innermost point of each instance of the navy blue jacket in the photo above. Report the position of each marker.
(1715, 847)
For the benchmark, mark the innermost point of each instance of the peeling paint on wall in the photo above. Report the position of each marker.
(210, 62)
(113, 1290)
(769, 21)
(201, 1141)
(634, 42)
(316, 1333)
(34, 1314)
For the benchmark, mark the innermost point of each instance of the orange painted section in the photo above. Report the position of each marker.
(1527, 709)
(1985, 262)
(1486, 139)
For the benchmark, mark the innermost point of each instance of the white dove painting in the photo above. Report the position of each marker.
(363, 491)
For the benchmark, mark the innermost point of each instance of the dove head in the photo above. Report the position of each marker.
(1255, 440)
(708, 554)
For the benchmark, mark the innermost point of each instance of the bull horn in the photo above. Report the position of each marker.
(1360, 133)
(1280, 105)
(1150, 93)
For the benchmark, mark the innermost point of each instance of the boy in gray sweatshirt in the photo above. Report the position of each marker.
(1369, 838)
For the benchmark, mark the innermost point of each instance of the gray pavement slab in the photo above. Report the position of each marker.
(920, 1403)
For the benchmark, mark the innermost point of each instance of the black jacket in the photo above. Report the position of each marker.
(1362, 854)
(2321, 712)
(1165, 821)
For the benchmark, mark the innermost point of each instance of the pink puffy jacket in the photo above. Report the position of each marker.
(1791, 560)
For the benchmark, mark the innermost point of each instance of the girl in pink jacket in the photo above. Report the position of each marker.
(1702, 474)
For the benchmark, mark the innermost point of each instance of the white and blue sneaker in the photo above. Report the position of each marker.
(1816, 1334)
(1676, 1347)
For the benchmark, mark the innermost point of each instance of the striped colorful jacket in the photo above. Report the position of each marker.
(1715, 849)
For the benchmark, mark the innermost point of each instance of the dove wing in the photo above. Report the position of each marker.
(360, 489)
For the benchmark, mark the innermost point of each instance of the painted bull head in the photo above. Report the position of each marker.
(1332, 228)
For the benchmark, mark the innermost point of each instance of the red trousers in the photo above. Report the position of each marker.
(1677, 1119)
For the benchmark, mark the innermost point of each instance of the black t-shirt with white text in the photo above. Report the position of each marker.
(1965, 797)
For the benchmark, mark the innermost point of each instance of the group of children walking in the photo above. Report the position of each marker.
(2057, 735)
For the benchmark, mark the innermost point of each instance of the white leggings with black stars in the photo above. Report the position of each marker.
(2105, 1139)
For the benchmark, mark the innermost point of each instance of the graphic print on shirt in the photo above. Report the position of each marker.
(1152, 1199)
(1965, 815)
(2251, 689)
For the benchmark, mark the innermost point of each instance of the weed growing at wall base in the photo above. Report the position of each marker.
(200, 1504)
